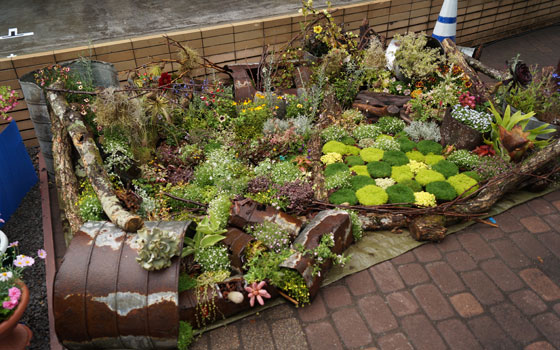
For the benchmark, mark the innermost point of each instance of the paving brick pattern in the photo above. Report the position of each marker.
(481, 288)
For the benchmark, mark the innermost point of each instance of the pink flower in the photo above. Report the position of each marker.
(14, 293)
(257, 291)
(9, 305)
(14, 244)
(23, 261)
(41, 253)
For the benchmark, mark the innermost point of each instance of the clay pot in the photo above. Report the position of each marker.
(13, 335)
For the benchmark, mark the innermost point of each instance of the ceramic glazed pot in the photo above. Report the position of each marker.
(15, 336)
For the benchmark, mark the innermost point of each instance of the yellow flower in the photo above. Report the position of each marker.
(317, 29)
(234, 103)
(258, 108)
(425, 199)
(243, 110)
(299, 105)
(276, 107)
(416, 93)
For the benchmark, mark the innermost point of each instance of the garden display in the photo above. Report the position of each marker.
(237, 188)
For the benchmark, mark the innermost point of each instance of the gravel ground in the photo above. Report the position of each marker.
(26, 226)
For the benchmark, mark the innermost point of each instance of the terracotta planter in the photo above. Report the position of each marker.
(13, 335)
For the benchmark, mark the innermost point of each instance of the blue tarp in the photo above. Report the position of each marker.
(17, 174)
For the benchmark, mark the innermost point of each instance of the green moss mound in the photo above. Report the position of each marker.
(334, 168)
(429, 146)
(360, 181)
(407, 145)
(344, 196)
(371, 154)
(347, 140)
(401, 173)
(379, 169)
(413, 184)
(462, 183)
(416, 155)
(442, 190)
(473, 174)
(426, 176)
(372, 195)
(352, 150)
(432, 159)
(400, 194)
(395, 158)
(334, 146)
(354, 160)
(360, 170)
(446, 167)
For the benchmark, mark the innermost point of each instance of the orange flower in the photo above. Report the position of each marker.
(468, 84)
(419, 84)
(416, 93)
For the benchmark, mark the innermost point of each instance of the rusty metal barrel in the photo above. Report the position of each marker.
(103, 299)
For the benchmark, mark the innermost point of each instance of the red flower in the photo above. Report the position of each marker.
(164, 79)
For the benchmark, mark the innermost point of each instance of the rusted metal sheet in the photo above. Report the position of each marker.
(103, 299)
(246, 212)
(237, 242)
(218, 293)
(242, 82)
(326, 221)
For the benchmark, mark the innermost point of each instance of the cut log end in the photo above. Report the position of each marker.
(133, 224)
(428, 228)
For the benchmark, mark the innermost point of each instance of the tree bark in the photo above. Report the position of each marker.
(481, 67)
(375, 221)
(93, 164)
(428, 228)
(457, 57)
(66, 181)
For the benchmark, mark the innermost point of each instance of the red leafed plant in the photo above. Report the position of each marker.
(484, 150)
(164, 79)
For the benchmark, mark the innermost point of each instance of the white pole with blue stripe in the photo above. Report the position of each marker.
(446, 25)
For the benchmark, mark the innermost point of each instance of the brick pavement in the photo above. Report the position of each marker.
(481, 288)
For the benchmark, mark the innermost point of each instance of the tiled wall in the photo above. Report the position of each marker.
(479, 21)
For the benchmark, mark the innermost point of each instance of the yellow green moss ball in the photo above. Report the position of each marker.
(401, 173)
(371, 154)
(424, 199)
(432, 159)
(425, 176)
(360, 170)
(372, 195)
(462, 183)
(416, 155)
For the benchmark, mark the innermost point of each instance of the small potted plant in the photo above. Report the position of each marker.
(14, 297)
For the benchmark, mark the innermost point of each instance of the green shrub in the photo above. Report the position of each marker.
(390, 125)
(372, 195)
(425, 176)
(334, 146)
(406, 144)
(442, 190)
(429, 146)
(473, 174)
(432, 159)
(334, 168)
(360, 170)
(395, 158)
(360, 181)
(400, 194)
(354, 160)
(371, 154)
(416, 155)
(413, 184)
(347, 140)
(379, 169)
(343, 196)
(446, 167)
(462, 183)
(186, 335)
(334, 133)
(401, 173)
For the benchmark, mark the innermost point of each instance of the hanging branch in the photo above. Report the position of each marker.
(93, 164)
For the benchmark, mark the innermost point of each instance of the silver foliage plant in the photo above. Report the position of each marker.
(418, 130)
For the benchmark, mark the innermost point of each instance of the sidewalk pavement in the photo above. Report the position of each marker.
(481, 288)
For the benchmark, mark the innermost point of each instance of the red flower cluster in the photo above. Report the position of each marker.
(164, 79)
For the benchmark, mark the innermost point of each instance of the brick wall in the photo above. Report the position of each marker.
(478, 22)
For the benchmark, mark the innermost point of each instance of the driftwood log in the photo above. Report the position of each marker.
(379, 104)
(93, 164)
(481, 67)
(457, 57)
(66, 181)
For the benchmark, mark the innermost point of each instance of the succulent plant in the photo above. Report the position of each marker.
(157, 247)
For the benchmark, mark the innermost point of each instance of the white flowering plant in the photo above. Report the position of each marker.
(12, 264)
(480, 121)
